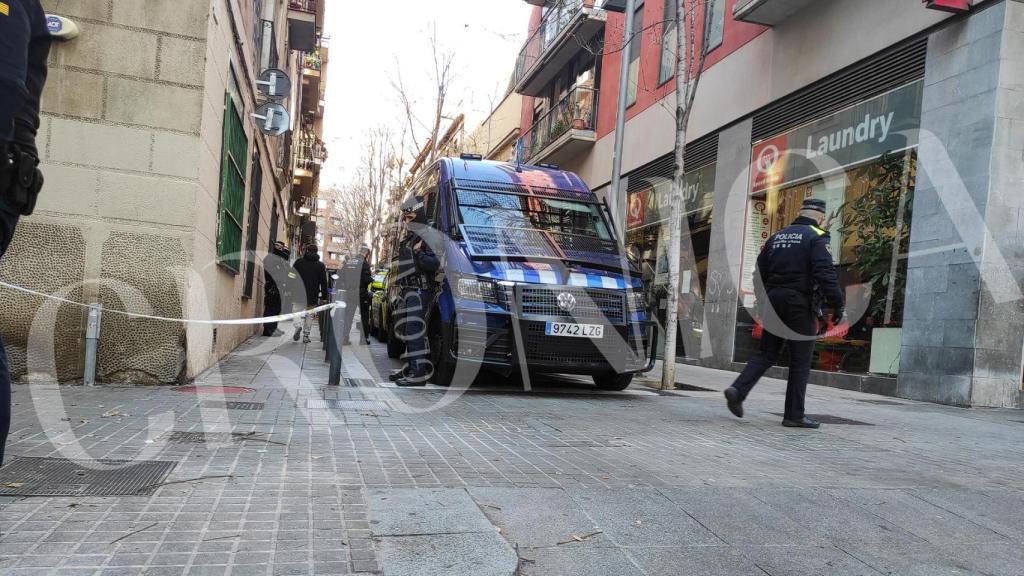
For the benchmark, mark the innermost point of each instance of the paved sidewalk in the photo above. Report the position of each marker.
(369, 479)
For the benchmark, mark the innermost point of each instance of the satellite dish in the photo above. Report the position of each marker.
(272, 119)
(274, 83)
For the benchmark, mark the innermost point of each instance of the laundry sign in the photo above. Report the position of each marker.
(887, 123)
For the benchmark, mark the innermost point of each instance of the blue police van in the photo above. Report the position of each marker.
(533, 276)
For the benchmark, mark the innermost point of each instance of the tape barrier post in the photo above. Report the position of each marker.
(336, 331)
(92, 336)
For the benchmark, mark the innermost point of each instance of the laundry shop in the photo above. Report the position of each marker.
(648, 208)
(862, 161)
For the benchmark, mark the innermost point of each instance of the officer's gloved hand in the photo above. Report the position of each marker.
(839, 316)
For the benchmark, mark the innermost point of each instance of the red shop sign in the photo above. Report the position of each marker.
(768, 166)
(635, 210)
(949, 5)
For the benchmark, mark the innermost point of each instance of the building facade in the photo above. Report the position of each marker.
(161, 194)
(495, 138)
(905, 119)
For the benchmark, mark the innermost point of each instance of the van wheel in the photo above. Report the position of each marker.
(395, 346)
(440, 344)
(613, 381)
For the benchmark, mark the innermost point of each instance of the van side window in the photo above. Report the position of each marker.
(429, 190)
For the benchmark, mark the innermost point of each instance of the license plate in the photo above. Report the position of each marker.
(574, 330)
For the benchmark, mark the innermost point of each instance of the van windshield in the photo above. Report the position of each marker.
(497, 210)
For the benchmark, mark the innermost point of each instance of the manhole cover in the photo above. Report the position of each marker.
(214, 389)
(28, 476)
(692, 388)
(359, 383)
(357, 405)
(828, 419)
(234, 405)
(882, 402)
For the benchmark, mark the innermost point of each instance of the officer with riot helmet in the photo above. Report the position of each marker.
(24, 47)
(794, 263)
(417, 271)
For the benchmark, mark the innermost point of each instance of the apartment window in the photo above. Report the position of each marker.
(232, 187)
(336, 222)
(337, 240)
(255, 198)
(668, 41)
(634, 57)
(717, 31)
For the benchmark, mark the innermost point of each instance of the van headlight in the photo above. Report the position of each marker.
(480, 290)
(636, 301)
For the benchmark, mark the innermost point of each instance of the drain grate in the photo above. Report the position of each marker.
(213, 389)
(234, 405)
(182, 437)
(360, 383)
(28, 476)
(828, 419)
(357, 405)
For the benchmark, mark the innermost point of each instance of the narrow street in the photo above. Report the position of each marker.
(295, 477)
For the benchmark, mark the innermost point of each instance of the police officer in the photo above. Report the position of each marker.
(356, 278)
(793, 262)
(24, 47)
(417, 270)
(275, 267)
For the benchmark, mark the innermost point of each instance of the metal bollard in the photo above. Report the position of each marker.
(336, 321)
(92, 336)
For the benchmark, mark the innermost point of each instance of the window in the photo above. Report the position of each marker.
(255, 197)
(337, 240)
(717, 31)
(234, 148)
(335, 221)
(634, 57)
(668, 42)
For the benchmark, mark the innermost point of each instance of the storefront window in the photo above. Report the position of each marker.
(862, 162)
(648, 235)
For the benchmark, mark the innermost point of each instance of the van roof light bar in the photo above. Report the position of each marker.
(471, 157)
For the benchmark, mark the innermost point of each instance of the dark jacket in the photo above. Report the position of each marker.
(314, 277)
(416, 266)
(24, 47)
(365, 279)
(797, 258)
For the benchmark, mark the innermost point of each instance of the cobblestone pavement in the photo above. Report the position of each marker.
(366, 478)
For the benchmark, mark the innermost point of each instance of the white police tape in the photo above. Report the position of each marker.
(237, 321)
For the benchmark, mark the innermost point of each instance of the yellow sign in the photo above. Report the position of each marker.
(5, 9)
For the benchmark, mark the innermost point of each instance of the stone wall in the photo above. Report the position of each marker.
(118, 142)
(963, 324)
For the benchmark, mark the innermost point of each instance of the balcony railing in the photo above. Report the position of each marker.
(303, 5)
(558, 17)
(312, 61)
(577, 111)
(310, 153)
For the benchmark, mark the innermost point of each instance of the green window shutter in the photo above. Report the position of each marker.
(232, 188)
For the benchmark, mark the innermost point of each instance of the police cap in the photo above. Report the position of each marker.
(814, 204)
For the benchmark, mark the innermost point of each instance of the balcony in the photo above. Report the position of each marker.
(561, 35)
(767, 12)
(310, 154)
(305, 17)
(565, 130)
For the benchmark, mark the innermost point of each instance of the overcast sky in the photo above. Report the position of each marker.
(369, 40)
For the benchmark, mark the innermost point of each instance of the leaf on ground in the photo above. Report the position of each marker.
(12, 484)
(581, 537)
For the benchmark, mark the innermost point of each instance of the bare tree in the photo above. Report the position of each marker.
(424, 136)
(693, 31)
(351, 207)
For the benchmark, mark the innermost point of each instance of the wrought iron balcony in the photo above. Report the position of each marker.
(566, 129)
(767, 12)
(304, 20)
(565, 30)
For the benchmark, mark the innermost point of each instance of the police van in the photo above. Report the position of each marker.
(533, 277)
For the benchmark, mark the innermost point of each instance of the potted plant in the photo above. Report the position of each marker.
(881, 221)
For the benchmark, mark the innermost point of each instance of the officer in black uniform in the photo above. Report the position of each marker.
(792, 264)
(417, 271)
(356, 278)
(24, 47)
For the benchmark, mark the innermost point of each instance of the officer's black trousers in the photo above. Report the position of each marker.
(8, 220)
(413, 330)
(794, 309)
(271, 307)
